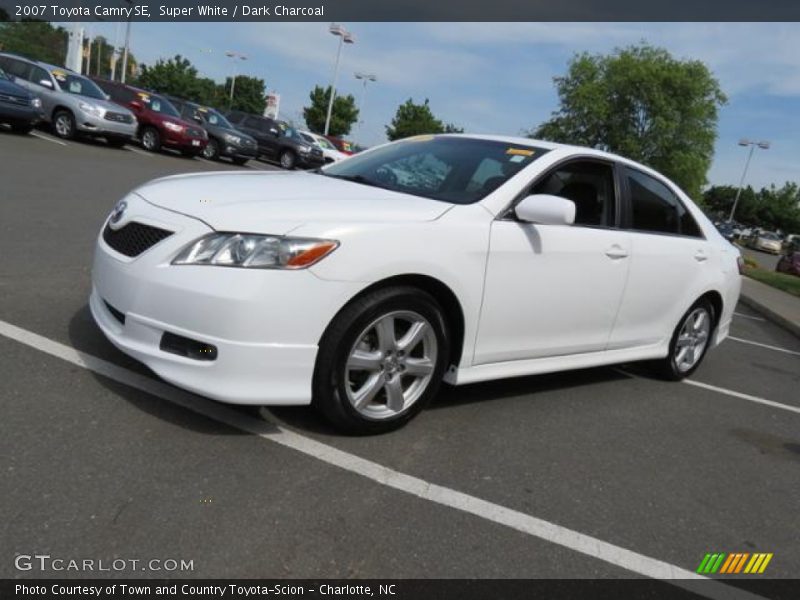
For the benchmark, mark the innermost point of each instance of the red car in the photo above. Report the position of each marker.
(790, 262)
(340, 144)
(160, 123)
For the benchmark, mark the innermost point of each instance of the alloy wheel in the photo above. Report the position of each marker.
(692, 339)
(149, 140)
(63, 125)
(391, 364)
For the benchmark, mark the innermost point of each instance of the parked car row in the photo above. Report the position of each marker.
(33, 92)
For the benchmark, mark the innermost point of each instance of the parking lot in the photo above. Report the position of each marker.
(596, 473)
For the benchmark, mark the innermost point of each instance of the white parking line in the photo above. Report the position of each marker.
(738, 314)
(496, 513)
(142, 152)
(756, 399)
(752, 343)
(47, 138)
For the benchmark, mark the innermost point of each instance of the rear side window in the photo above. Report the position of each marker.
(38, 74)
(655, 208)
(17, 68)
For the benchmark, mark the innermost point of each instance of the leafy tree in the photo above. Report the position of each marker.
(343, 114)
(771, 208)
(248, 94)
(416, 119)
(644, 104)
(177, 77)
(37, 40)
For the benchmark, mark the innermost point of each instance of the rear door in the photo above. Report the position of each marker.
(670, 260)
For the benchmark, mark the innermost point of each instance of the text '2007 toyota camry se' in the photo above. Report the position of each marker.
(361, 286)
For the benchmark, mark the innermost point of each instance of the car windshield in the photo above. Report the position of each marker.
(770, 236)
(158, 104)
(80, 86)
(455, 169)
(212, 117)
(323, 143)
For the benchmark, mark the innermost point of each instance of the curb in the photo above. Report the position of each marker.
(770, 314)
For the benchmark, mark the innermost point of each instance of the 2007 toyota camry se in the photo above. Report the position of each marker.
(360, 287)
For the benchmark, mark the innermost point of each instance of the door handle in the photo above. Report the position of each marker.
(616, 252)
(700, 256)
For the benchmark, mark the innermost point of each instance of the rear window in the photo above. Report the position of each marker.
(655, 208)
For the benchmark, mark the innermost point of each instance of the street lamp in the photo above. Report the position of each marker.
(233, 56)
(365, 78)
(745, 142)
(345, 37)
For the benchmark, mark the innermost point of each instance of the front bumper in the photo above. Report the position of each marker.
(308, 161)
(265, 324)
(101, 127)
(13, 113)
(238, 151)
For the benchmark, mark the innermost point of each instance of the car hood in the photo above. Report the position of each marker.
(278, 202)
(11, 88)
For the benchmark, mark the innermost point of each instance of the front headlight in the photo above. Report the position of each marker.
(36, 102)
(173, 126)
(255, 251)
(232, 139)
(303, 149)
(91, 109)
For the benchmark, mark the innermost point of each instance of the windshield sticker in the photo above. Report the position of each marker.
(421, 138)
(144, 97)
(516, 158)
(75, 87)
(519, 152)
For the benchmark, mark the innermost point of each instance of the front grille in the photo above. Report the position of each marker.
(118, 117)
(11, 99)
(316, 152)
(134, 238)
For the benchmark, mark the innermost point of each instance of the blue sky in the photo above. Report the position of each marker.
(497, 77)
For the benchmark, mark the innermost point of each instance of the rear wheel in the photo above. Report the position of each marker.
(288, 159)
(381, 360)
(689, 342)
(64, 124)
(151, 139)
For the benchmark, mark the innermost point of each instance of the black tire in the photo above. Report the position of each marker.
(668, 368)
(116, 142)
(238, 160)
(287, 159)
(151, 139)
(211, 151)
(329, 391)
(21, 128)
(64, 124)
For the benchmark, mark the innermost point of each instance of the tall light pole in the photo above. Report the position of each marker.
(345, 37)
(365, 78)
(234, 56)
(745, 142)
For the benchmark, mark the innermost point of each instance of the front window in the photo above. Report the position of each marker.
(460, 170)
(80, 86)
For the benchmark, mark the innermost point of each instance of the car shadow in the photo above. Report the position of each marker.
(86, 337)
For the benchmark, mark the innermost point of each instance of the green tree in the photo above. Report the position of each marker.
(248, 94)
(177, 77)
(416, 119)
(343, 114)
(35, 39)
(772, 208)
(642, 103)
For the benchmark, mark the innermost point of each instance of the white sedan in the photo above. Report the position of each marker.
(360, 287)
(329, 151)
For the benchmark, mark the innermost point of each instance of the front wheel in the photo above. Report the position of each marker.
(64, 124)
(151, 139)
(689, 342)
(211, 151)
(381, 360)
(288, 159)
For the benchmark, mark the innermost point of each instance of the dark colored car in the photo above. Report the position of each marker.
(277, 141)
(789, 262)
(18, 107)
(726, 230)
(223, 138)
(160, 124)
(341, 145)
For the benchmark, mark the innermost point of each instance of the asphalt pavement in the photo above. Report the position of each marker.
(594, 473)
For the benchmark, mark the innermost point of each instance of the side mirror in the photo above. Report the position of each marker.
(46, 83)
(275, 132)
(136, 105)
(546, 210)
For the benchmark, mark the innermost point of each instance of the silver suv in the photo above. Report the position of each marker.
(71, 103)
